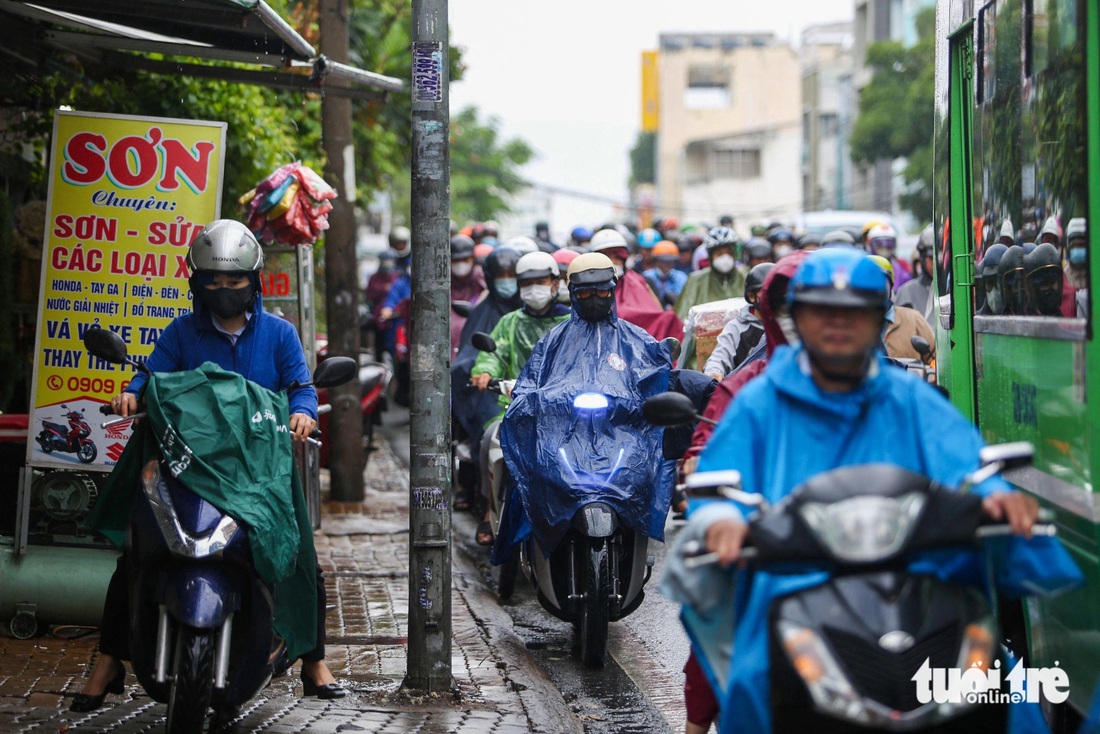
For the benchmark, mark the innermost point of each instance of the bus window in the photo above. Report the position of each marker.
(1029, 174)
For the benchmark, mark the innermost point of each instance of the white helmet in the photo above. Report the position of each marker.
(537, 265)
(522, 244)
(882, 232)
(225, 245)
(607, 239)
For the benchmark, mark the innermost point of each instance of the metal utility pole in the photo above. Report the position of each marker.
(344, 436)
(429, 356)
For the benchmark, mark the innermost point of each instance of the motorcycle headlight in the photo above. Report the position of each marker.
(864, 529)
(589, 401)
(828, 686)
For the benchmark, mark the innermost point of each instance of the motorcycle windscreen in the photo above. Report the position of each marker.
(575, 433)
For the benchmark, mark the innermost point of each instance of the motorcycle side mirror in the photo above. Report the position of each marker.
(673, 346)
(1009, 455)
(462, 308)
(669, 409)
(483, 342)
(921, 345)
(106, 345)
(335, 371)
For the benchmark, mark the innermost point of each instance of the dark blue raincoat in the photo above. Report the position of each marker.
(561, 456)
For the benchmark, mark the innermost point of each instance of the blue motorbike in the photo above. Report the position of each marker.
(202, 630)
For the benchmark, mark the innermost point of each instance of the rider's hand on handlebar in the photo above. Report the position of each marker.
(301, 425)
(725, 537)
(481, 382)
(385, 314)
(1015, 508)
(124, 404)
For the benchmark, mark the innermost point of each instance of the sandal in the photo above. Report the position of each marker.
(484, 534)
(462, 500)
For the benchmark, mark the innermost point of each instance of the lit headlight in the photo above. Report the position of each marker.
(864, 529)
(590, 401)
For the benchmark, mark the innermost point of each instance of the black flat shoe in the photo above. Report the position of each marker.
(83, 703)
(327, 691)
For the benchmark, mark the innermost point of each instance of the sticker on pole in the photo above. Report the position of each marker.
(427, 71)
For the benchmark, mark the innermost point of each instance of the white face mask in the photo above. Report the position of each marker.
(618, 271)
(782, 251)
(723, 263)
(563, 294)
(461, 269)
(786, 325)
(536, 297)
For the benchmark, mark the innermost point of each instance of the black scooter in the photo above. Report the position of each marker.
(846, 654)
(201, 618)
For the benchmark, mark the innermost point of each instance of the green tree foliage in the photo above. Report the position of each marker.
(896, 112)
(643, 159)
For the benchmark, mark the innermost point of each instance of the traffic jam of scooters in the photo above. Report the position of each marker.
(679, 468)
(832, 565)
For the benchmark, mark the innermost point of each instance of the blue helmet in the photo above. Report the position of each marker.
(647, 238)
(840, 276)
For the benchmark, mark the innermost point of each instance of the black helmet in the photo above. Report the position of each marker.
(810, 240)
(758, 248)
(754, 281)
(1010, 274)
(462, 247)
(499, 261)
(225, 246)
(1043, 279)
(780, 234)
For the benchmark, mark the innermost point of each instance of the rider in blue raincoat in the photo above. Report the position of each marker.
(575, 431)
(831, 401)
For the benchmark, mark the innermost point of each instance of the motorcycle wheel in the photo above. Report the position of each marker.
(506, 576)
(87, 453)
(593, 612)
(192, 682)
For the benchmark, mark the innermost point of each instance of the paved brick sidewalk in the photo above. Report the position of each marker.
(363, 548)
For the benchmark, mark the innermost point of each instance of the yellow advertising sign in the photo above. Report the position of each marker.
(126, 197)
(651, 99)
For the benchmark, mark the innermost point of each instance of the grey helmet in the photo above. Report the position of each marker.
(225, 245)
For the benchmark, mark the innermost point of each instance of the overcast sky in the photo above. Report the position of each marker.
(565, 75)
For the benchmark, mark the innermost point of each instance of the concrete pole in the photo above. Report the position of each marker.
(344, 435)
(429, 356)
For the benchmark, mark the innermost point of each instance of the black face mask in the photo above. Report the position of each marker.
(595, 308)
(227, 303)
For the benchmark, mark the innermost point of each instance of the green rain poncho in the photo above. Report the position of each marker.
(516, 335)
(227, 439)
(707, 286)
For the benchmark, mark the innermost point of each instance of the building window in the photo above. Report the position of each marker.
(708, 87)
(827, 125)
(741, 163)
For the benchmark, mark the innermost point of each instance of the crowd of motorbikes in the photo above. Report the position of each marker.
(843, 648)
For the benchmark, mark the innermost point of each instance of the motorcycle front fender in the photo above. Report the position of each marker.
(202, 596)
(596, 520)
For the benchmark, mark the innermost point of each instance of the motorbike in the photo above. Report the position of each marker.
(71, 440)
(846, 653)
(925, 367)
(374, 379)
(202, 619)
(596, 573)
(492, 466)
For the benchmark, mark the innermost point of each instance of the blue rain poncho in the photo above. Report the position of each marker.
(781, 430)
(561, 455)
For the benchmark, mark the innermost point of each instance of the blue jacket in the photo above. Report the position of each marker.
(782, 429)
(268, 353)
